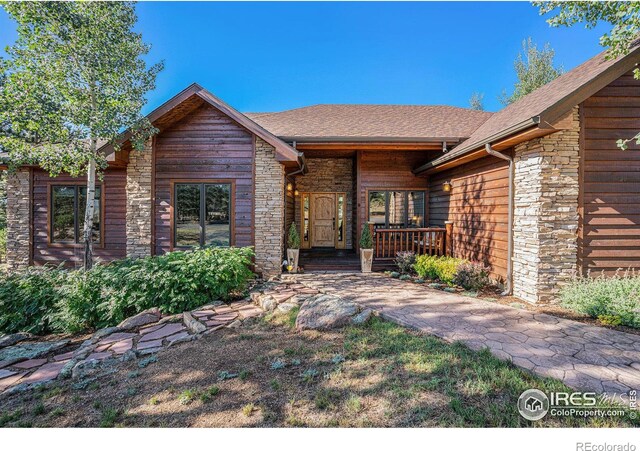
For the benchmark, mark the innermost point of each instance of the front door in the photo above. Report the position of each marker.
(323, 219)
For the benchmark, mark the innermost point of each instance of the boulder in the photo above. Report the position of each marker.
(10, 340)
(104, 332)
(267, 302)
(286, 307)
(324, 312)
(195, 326)
(149, 316)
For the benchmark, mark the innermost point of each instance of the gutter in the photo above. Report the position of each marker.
(509, 288)
(365, 139)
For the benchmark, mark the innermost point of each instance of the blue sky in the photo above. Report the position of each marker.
(275, 56)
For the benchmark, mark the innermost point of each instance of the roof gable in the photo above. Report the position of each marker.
(194, 96)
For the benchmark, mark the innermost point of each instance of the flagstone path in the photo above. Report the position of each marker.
(582, 356)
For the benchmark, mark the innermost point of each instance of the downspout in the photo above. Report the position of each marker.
(509, 288)
(302, 166)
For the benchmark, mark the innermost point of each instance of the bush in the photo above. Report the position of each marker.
(405, 261)
(441, 268)
(293, 239)
(3, 244)
(56, 300)
(614, 300)
(366, 240)
(472, 276)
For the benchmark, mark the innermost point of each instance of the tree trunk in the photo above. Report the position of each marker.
(88, 215)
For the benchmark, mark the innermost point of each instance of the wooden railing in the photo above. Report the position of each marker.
(424, 241)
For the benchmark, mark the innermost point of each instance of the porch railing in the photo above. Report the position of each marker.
(423, 241)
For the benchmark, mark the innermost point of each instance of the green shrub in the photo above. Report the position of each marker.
(615, 300)
(46, 300)
(366, 240)
(441, 268)
(3, 244)
(472, 276)
(293, 239)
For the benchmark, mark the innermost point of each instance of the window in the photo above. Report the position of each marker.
(202, 214)
(68, 206)
(397, 209)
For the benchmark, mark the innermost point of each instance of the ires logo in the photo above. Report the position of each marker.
(576, 399)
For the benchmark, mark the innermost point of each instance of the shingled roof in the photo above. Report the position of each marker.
(369, 122)
(547, 103)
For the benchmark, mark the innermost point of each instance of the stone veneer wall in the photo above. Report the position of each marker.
(329, 175)
(138, 227)
(18, 219)
(269, 207)
(546, 214)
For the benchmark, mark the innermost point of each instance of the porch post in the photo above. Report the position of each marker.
(448, 237)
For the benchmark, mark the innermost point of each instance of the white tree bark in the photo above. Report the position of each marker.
(90, 208)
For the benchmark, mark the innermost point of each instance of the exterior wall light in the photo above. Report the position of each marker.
(446, 186)
(296, 193)
(289, 186)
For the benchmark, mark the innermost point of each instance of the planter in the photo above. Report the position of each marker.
(292, 258)
(366, 260)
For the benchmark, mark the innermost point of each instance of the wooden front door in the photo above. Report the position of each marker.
(323, 219)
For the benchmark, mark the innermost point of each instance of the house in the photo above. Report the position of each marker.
(538, 191)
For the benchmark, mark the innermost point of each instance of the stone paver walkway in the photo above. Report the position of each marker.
(584, 357)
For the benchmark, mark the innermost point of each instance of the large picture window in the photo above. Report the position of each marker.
(397, 209)
(68, 206)
(202, 214)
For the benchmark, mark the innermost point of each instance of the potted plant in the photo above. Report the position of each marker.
(366, 249)
(293, 248)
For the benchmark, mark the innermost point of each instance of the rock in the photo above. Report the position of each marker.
(267, 303)
(106, 331)
(149, 316)
(93, 368)
(128, 356)
(67, 369)
(171, 318)
(194, 326)
(235, 324)
(286, 307)
(300, 298)
(30, 350)
(450, 290)
(181, 337)
(437, 286)
(323, 312)
(10, 340)
(362, 317)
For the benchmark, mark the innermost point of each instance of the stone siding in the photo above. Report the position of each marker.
(329, 175)
(138, 227)
(269, 210)
(546, 214)
(18, 219)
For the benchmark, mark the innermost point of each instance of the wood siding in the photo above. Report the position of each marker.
(609, 235)
(113, 220)
(387, 171)
(205, 145)
(478, 206)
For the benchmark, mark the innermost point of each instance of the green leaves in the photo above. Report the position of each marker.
(76, 73)
(44, 300)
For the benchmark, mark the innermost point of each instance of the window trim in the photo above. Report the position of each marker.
(50, 242)
(172, 208)
(406, 192)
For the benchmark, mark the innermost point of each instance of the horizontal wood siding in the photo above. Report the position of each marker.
(478, 206)
(610, 216)
(387, 171)
(205, 145)
(113, 222)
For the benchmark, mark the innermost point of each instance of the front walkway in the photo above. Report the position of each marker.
(582, 356)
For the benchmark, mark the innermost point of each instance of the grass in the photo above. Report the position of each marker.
(377, 375)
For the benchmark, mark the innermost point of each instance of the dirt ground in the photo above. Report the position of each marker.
(268, 375)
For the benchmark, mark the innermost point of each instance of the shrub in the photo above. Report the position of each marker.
(3, 244)
(366, 240)
(46, 300)
(293, 240)
(405, 261)
(614, 300)
(441, 268)
(472, 276)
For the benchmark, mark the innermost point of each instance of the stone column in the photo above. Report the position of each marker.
(18, 219)
(546, 214)
(269, 210)
(139, 198)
